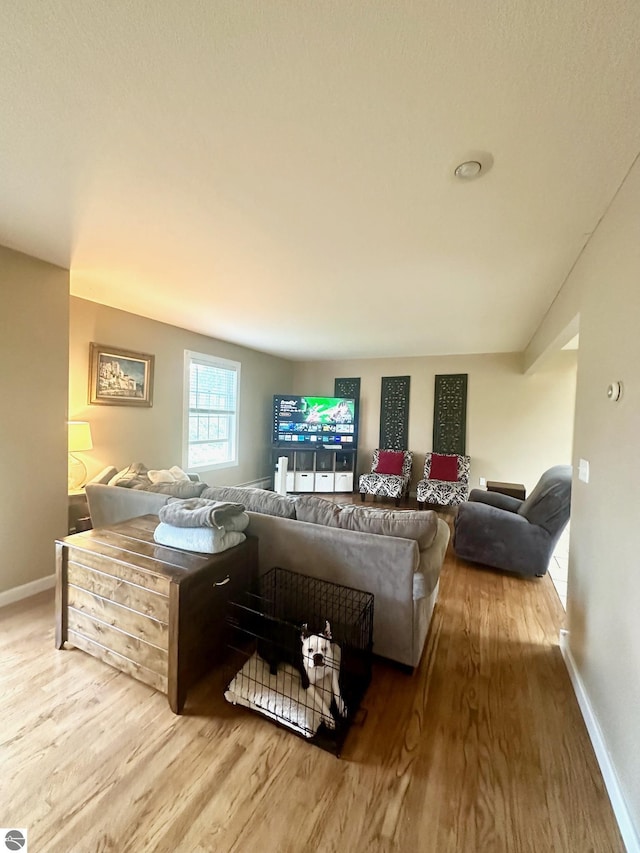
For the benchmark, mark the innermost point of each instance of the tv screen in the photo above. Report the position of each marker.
(314, 421)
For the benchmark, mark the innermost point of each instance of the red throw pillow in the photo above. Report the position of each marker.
(390, 462)
(443, 468)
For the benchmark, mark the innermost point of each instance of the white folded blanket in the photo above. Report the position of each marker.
(206, 540)
(200, 512)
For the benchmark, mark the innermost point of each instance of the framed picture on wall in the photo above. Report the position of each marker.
(119, 377)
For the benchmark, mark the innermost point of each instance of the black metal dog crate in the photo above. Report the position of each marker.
(266, 671)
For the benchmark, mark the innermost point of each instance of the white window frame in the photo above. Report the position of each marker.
(225, 364)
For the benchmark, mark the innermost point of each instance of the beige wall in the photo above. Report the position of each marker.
(517, 425)
(123, 434)
(603, 603)
(33, 436)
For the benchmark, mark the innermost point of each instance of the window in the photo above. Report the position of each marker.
(211, 411)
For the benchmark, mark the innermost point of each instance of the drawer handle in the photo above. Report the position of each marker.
(222, 583)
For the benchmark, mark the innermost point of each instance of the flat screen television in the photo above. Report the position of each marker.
(313, 422)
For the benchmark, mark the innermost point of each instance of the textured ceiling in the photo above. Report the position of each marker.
(280, 174)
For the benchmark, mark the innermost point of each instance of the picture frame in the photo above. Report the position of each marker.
(120, 377)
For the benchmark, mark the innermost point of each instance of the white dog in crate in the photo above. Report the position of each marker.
(321, 661)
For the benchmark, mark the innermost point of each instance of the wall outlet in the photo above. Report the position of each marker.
(483, 481)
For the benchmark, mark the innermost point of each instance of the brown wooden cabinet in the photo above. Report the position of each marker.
(154, 612)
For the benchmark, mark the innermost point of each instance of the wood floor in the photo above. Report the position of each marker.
(482, 749)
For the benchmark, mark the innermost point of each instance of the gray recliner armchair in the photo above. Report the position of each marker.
(513, 535)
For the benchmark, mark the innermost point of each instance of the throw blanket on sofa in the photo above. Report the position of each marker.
(199, 512)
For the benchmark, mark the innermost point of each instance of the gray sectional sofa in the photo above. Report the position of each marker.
(396, 555)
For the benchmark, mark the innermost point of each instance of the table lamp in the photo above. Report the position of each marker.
(79, 441)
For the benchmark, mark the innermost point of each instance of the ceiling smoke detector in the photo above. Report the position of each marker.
(468, 170)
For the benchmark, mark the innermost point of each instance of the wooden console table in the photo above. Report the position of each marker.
(154, 612)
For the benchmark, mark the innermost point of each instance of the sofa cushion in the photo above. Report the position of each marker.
(178, 489)
(444, 467)
(255, 500)
(390, 462)
(420, 525)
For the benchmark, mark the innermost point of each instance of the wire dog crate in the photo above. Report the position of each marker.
(313, 688)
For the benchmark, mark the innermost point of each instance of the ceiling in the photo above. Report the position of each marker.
(280, 174)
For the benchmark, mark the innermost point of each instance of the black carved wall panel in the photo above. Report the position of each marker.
(450, 414)
(394, 412)
(349, 388)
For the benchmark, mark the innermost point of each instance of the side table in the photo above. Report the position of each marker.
(515, 490)
(78, 511)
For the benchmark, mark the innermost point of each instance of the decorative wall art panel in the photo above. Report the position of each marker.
(349, 389)
(450, 413)
(394, 412)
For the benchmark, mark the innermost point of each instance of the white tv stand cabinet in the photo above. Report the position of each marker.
(318, 470)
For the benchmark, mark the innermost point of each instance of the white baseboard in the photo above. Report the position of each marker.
(620, 810)
(26, 590)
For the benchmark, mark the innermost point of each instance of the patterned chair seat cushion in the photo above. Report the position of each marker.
(388, 485)
(444, 492)
(441, 492)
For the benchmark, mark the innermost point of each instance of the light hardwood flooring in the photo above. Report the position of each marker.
(483, 748)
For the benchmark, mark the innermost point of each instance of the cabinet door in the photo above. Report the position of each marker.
(206, 635)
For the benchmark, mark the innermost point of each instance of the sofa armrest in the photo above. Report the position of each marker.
(112, 504)
(497, 499)
(104, 476)
(432, 558)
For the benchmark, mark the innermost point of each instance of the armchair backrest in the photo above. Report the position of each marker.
(407, 461)
(549, 504)
(464, 466)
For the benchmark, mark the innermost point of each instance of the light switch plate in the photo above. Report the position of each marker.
(483, 481)
(583, 471)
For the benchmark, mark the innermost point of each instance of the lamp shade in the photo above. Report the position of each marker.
(79, 436)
